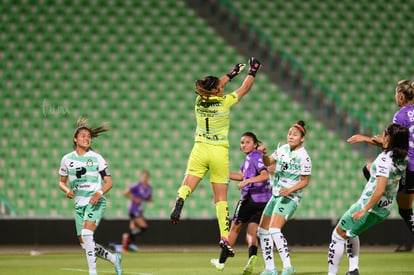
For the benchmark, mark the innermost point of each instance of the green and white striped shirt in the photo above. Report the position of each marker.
(83, 174)
(290, 165)
(383, 166)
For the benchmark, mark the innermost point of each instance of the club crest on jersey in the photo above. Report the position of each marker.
(89, 163)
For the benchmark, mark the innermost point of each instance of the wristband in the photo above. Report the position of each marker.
(100, 192)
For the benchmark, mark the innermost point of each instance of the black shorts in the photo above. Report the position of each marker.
(407, 183)
(248, 211)
(133, 216)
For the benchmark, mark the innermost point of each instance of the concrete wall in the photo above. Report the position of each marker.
(198, 232)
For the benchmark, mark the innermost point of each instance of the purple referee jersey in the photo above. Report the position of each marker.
(405, 118)
(251, 167)
(142, 192)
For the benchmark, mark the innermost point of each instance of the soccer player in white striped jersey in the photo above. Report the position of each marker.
(81, 174)
(292, 173)
(376, 200)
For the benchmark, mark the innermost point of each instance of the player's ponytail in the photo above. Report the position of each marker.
(205, 86)
(94, 131)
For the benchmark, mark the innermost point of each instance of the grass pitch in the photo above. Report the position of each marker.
(187, 262)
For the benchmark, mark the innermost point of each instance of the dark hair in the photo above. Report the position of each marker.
(407, 88)
(300, 125)
(205, 85)
(398, 141)
(81, 124)
(253, 136)
(147, 172)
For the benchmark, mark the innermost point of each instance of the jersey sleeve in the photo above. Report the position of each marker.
(397, 118)
(306, 165)
(278, 152)
(258, 163)
(63, 170)
(400, 117)
(274, 155)
(383, 164)
(103, 166)
(231, 99)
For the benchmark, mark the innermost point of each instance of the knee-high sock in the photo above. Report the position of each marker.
(183, 192)
(352, 249)
(89, 246)
(281, 245)
(408, 217)
(222, 212)
(102, 253)
(266, 244)
(336, 251)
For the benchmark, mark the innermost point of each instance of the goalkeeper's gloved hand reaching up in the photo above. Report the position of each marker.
(254, 66)
(236, 70)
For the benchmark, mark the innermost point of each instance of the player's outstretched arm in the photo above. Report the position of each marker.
(234, 72)
(357, 138)
(254, 66)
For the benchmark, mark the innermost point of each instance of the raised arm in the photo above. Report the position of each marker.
(375, 140)
(254, 66)
(235, 71)
(267, 160)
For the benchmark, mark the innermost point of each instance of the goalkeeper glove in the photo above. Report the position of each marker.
(254, 66)
(236, 70)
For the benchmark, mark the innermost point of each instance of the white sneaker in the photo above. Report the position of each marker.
(217, 264)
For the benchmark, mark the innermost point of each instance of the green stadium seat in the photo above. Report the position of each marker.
(94, 64)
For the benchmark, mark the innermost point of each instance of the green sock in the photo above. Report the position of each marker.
(222, 212)
(183, 192)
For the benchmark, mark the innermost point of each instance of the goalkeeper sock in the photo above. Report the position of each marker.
(183, 192)
(89, 246)
(222, 212)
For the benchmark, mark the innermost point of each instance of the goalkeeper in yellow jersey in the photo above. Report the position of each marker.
(210, 150)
